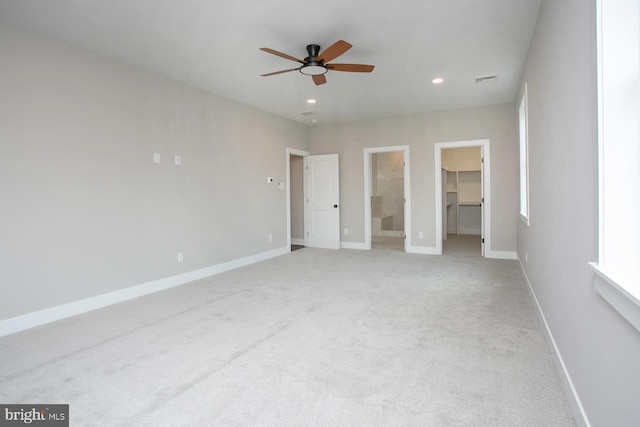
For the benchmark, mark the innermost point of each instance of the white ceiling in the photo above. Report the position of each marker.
(213, 45)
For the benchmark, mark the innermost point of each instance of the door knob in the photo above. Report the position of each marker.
(335, 206)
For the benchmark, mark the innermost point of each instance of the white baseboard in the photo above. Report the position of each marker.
(424, 250)
(575, 403)
(297, 242)
(501, 254)
(48, 315)
(353, 245)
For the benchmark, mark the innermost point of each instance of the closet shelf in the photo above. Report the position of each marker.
(463, 192)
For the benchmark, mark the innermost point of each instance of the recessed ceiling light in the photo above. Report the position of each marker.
(437, 81)
(311, 101)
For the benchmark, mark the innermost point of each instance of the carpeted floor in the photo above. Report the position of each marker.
(462, 245)
(313, 338)
(387, 243)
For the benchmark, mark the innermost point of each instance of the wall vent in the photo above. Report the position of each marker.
(481, 79)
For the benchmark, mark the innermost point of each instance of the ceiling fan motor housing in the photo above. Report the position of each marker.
(313, 50)
(312, 66)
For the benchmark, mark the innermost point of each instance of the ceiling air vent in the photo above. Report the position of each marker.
(481, 79)
(307, 113)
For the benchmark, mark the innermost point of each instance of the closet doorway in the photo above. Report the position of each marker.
(387, 220)
(461, 198)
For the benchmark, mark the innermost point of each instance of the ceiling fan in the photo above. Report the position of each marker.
(316, 65)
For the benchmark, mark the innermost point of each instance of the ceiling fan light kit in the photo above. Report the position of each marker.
(313, 69)
(317, 64)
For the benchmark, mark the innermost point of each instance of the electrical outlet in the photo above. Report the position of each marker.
(270, 238)
(420, 235)
(156, 158)
(178, 160)
(180, 257)
(526, 257)
(346, 231)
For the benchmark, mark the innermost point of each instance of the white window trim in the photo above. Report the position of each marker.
(605, 284)
(524, 101)
(608, 288)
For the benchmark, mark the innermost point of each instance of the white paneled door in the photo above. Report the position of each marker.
(322, 201)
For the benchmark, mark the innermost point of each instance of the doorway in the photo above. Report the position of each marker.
(319, 200)
(387, 213)
(462, 193)
(295, 197)
(463, 214)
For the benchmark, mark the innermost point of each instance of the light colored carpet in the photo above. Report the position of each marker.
(462, 245)
(387, 243)
(312, 338)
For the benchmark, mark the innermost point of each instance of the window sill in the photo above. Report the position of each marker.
(622, 301)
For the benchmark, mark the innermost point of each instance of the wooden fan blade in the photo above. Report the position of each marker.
(279, 72)
(353, 68)
(281, 55)
(333, 51)
(319, 79)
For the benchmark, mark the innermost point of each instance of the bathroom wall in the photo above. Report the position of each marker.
(387, 201)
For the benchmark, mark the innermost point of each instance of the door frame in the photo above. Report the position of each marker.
(367, 192)
(289, 153)
(484, 145)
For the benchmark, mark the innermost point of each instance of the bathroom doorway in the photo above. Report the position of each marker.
(386, 198)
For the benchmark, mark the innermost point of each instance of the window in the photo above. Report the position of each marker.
(524, 158)
(619, 153)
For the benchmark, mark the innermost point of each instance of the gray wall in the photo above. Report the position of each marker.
(600, 349)
(496, 122)
(84, 209)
